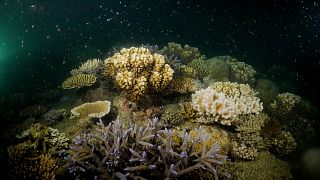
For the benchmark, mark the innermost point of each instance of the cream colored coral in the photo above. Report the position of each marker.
(211, 103)
(243, 95)
(136, 71)
(223, 102)
(96, 109)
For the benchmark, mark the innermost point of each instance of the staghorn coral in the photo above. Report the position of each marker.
(264, 167)
(141, 153)
(91, 66)
(241, 72)
(78, 81)
(137, 71)
(184, 53)
(223, 102)
(96, 109)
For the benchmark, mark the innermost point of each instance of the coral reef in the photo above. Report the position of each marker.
(96, 109)
(141, 153)
(137, 71)
(78, 81)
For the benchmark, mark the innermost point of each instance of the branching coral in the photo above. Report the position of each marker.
(199, 67)
(284, 104)
(224, 101)
(171, 115)
(185, 53)
(183, 85)
(78, 81)
(91, 66)
(137, 71)
(31, 158)
(141, 152)
(241, 72)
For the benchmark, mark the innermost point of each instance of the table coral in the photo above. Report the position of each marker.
(96, 109)
(78, 81)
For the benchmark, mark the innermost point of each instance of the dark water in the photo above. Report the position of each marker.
(41, 40)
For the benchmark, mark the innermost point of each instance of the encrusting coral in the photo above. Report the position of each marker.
(142, 153)
(78, 81)
(137, 71)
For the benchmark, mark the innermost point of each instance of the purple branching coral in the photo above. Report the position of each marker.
(116, 152)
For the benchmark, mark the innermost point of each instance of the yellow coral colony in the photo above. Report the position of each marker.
(96, 109)
(78, 81)
(224, 101)
(136, 71)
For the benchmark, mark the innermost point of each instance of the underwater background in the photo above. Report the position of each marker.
(41, 41)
